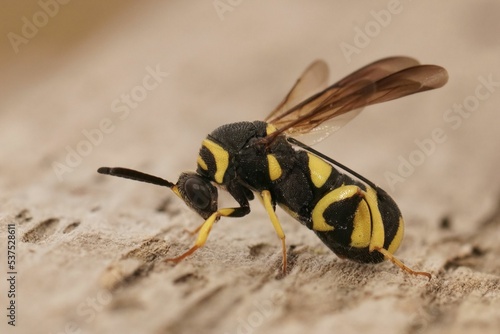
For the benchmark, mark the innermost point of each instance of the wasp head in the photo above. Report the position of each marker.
(196, 191)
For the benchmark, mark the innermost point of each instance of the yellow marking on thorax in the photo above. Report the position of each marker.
(319, 169)
(202, 163)
(336, 195)
(378, 233)
(396, 241)
(270, 129)
(362, 226)
(221, 157)
(274, 167)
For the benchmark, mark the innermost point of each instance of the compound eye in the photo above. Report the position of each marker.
(198, 192)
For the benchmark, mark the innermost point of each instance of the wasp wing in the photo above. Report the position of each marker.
(313, 79)
(371, 72)
(381, 81)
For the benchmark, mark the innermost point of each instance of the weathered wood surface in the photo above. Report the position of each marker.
(90, 247)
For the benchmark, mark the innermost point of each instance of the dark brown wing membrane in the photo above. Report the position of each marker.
(312, 80)
(371, 72)
(381, 81)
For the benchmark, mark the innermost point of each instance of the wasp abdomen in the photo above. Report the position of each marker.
(351, 218)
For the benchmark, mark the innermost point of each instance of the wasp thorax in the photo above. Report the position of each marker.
(198, 193)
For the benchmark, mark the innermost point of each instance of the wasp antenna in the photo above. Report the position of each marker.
(135, 175)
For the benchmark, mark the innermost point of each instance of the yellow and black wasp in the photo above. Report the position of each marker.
(351, 215)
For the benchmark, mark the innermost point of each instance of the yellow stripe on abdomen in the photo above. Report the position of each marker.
(320, 170)
(336, 195)
(378, 231)
(396, 241)
(362, 226)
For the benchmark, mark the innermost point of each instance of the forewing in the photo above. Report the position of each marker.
(312, 80)
(381, 81)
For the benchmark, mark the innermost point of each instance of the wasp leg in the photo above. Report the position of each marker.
(238, 212)
(204, 229)
(400, 264)
(268, 204)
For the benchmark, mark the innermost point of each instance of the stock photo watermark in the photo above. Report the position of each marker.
(223, 7)
(11, 274)
(87, 311)
(30, 26)
(262, 310)
(453, 117)
(364, 34)
(120, 108)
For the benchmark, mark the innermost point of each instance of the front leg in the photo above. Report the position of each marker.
(205, 228)
(239, 194)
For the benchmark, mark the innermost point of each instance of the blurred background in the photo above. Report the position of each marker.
(139, 84)
(67, 66)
